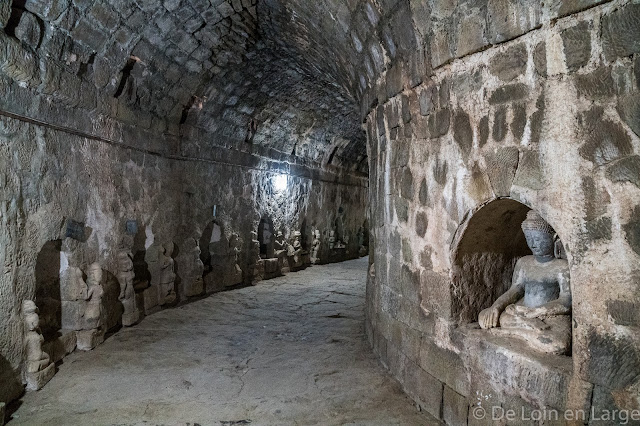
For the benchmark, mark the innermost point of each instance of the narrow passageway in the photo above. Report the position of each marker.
(289, 351)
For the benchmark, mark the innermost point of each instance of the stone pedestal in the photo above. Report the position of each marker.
(195, 288)
(214, 282)
(258, 271)
(272, 268)
(150, 300)
(89, 339)
(35, 381)
(61, 346)
(130, 318)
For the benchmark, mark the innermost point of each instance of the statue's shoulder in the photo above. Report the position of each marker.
(562, 264)
(525, 261)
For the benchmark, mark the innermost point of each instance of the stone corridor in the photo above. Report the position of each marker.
(287, 351)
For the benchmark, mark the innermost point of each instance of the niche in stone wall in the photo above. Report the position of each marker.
(48, 297)
(266, 237)
(142, 276)
(490, 243)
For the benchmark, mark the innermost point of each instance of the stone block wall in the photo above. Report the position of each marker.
(71, 150)
(520, 105)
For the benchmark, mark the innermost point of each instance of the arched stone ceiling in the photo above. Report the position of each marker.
(287, 75)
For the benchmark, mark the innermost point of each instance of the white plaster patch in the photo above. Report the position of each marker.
(216, 235)
(555, 55)
(148, 231)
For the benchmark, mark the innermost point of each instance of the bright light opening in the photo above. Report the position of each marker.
(280, 183)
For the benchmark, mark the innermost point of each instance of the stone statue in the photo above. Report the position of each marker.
(332, 240)
(256, 263)
(280, 244)
(167, 277)
(234, 249)
(90, 327)
(315, 247)
(38, 368)
(191, 268)
(127, 295)
(93, 309)
(362, 249)
(161, 268)
(537, 307)
(281, 252)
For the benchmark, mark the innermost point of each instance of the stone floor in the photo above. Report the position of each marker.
(290, 351)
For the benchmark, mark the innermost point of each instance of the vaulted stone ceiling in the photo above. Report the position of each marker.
(284, 75)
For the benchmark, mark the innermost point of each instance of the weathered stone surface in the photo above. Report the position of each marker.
(614, 361)
(440, 170)
(606, 141)
(427, 100)
(560, 8)
(509, 93)
(509, 19)
(455, 407)
(501, 169)
(632, 231)
(61, 346)
(577, 46)
(629, 110)
(423, 194)
(89, 339)
(406, 184)
(621, 32)
(596, 84)
(511, 63)
(519, 121)
(500, 124)
(421, 224)
(462, 132)
(624, 312)
(36, 381)
(529, 173)
(483, 131)
(625, 170)
(540, 59)
(5, 13)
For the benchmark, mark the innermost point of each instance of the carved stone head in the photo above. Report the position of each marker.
(539, 235)
(94, 274)
(30, 315)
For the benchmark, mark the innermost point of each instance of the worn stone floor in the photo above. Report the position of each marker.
(289, 351)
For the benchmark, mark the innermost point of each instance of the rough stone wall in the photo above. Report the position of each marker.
(50, 176)
(527, 101)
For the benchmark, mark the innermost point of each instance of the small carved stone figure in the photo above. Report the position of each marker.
(234, 271)
(280, 245)
(315, 247)
(332, 240)
(362, 249)
(93, 310)
(537, 307)
(37, 360)
(38, 368)
(256, 264)
(167, 276)
(127, 293)
(281, 252)
(191, 268)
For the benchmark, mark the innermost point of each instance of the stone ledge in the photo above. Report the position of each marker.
(509, 367)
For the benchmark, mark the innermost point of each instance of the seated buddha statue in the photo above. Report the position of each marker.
(537, 307)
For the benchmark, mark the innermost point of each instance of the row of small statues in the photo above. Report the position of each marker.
(82, 305)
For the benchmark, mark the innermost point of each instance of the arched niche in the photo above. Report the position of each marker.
(48, 298)
(489, 243)
(266, 237)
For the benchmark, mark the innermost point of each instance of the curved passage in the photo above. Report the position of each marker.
(288, 351)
